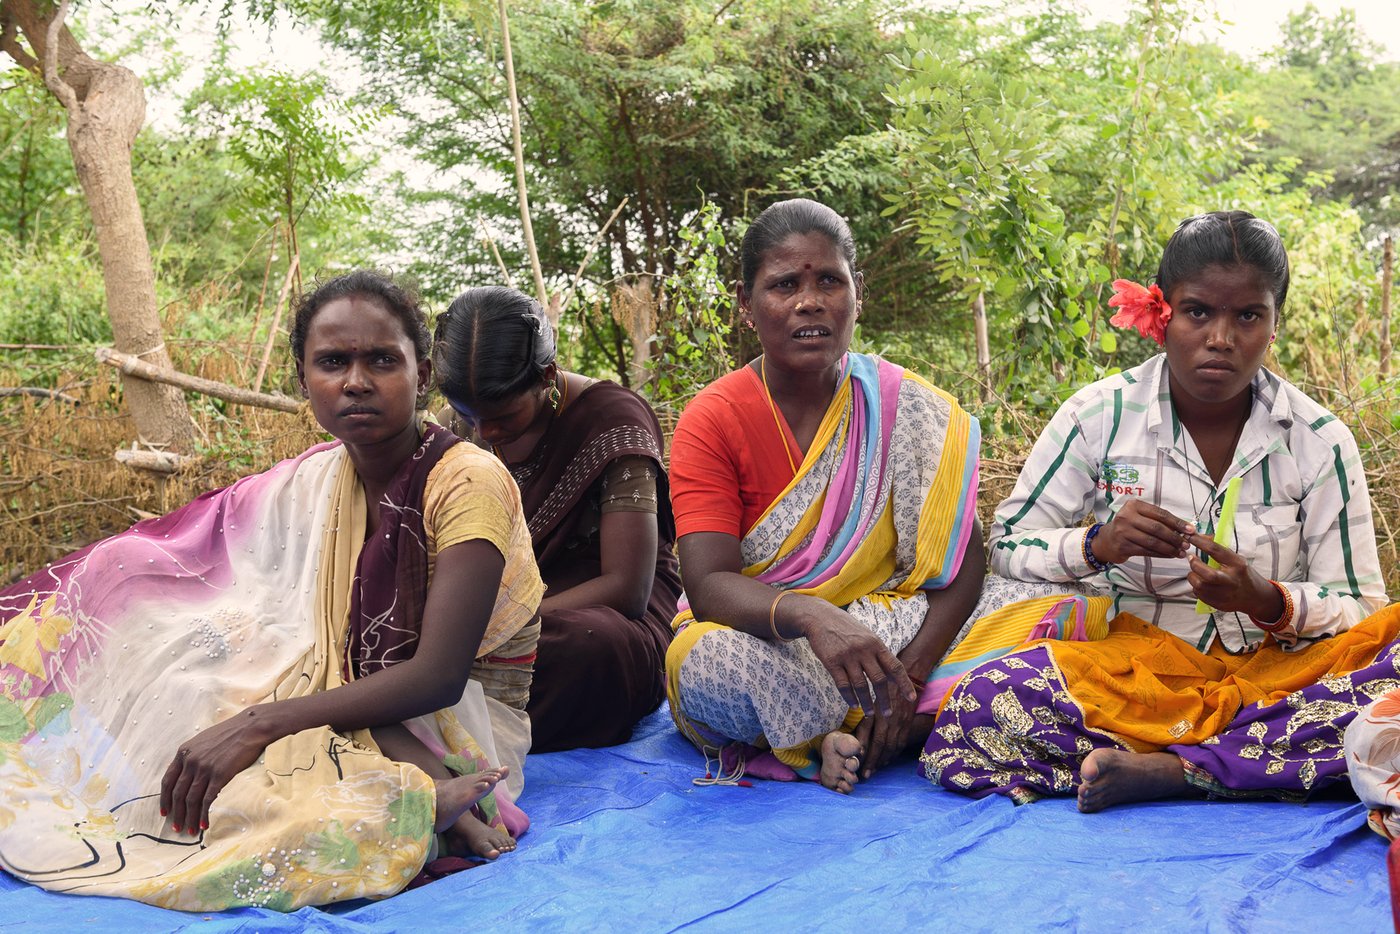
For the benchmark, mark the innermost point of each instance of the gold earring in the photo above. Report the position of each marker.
(553, 396)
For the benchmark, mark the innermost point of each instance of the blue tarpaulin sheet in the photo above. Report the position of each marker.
(623, 840)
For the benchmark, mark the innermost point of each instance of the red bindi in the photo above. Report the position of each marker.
(806, 265)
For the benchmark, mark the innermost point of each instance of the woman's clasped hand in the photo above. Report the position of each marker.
(865, 672)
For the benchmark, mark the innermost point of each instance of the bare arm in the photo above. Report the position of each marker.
(852, 655)
(628, 542)
(458, 607)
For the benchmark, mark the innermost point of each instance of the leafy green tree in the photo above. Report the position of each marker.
(975, 179)
(1335, 49)
(292, 139)
(1044, 157)
(669, 105)
(36, 169)
(698, 303)
(1329, 107)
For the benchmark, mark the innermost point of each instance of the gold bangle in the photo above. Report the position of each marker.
(773, 616)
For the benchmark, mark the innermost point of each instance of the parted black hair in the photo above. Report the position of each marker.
(785, 218)
(400, 300)
(1225, 238)
(492, 343)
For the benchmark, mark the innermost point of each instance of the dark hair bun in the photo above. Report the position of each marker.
(492, 344)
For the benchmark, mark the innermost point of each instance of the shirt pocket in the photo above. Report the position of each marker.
(1272, 539)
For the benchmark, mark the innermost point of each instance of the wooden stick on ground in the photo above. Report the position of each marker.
(143, 370)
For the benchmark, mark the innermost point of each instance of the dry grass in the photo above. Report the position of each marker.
(60, 488)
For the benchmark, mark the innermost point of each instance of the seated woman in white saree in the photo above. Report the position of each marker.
(259, 698)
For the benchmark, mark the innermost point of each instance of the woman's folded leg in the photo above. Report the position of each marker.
(596, 675)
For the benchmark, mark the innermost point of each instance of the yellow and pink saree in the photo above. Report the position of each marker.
(881, 510)
(112, 656)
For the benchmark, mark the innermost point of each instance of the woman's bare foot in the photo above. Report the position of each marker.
(840, 759)
(473, 837)
(456, 795)
(1113, 776)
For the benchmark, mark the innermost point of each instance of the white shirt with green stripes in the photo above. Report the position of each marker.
(1304, 514)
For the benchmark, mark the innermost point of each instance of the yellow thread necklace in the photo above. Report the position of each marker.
(773, 407)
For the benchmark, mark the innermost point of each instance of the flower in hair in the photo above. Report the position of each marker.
(1142, 308)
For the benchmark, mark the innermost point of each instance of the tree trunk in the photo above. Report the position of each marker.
(106, 107)
(634, 308)
(984, 347)
(1387, 278)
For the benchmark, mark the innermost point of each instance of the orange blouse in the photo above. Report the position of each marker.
(730, 457)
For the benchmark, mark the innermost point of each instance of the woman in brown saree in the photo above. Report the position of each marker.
(587, 455)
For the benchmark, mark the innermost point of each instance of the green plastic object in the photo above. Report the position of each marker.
(1225, 529)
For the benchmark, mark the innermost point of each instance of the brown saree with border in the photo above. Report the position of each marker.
(597, 672)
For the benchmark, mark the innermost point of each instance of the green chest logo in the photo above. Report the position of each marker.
(1119, 473)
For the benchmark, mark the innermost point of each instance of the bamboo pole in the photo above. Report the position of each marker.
(520, 190)
(276, 322)
(1387, 280)
(133, 366)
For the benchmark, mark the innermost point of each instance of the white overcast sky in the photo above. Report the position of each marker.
(1252, 26)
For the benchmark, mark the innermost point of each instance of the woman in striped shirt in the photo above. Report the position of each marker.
(1241, 643)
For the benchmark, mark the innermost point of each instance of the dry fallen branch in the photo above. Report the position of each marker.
(38, 392)
(156, 461)
(139, 368)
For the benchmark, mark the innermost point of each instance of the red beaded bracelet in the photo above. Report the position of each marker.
(1287, 616)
